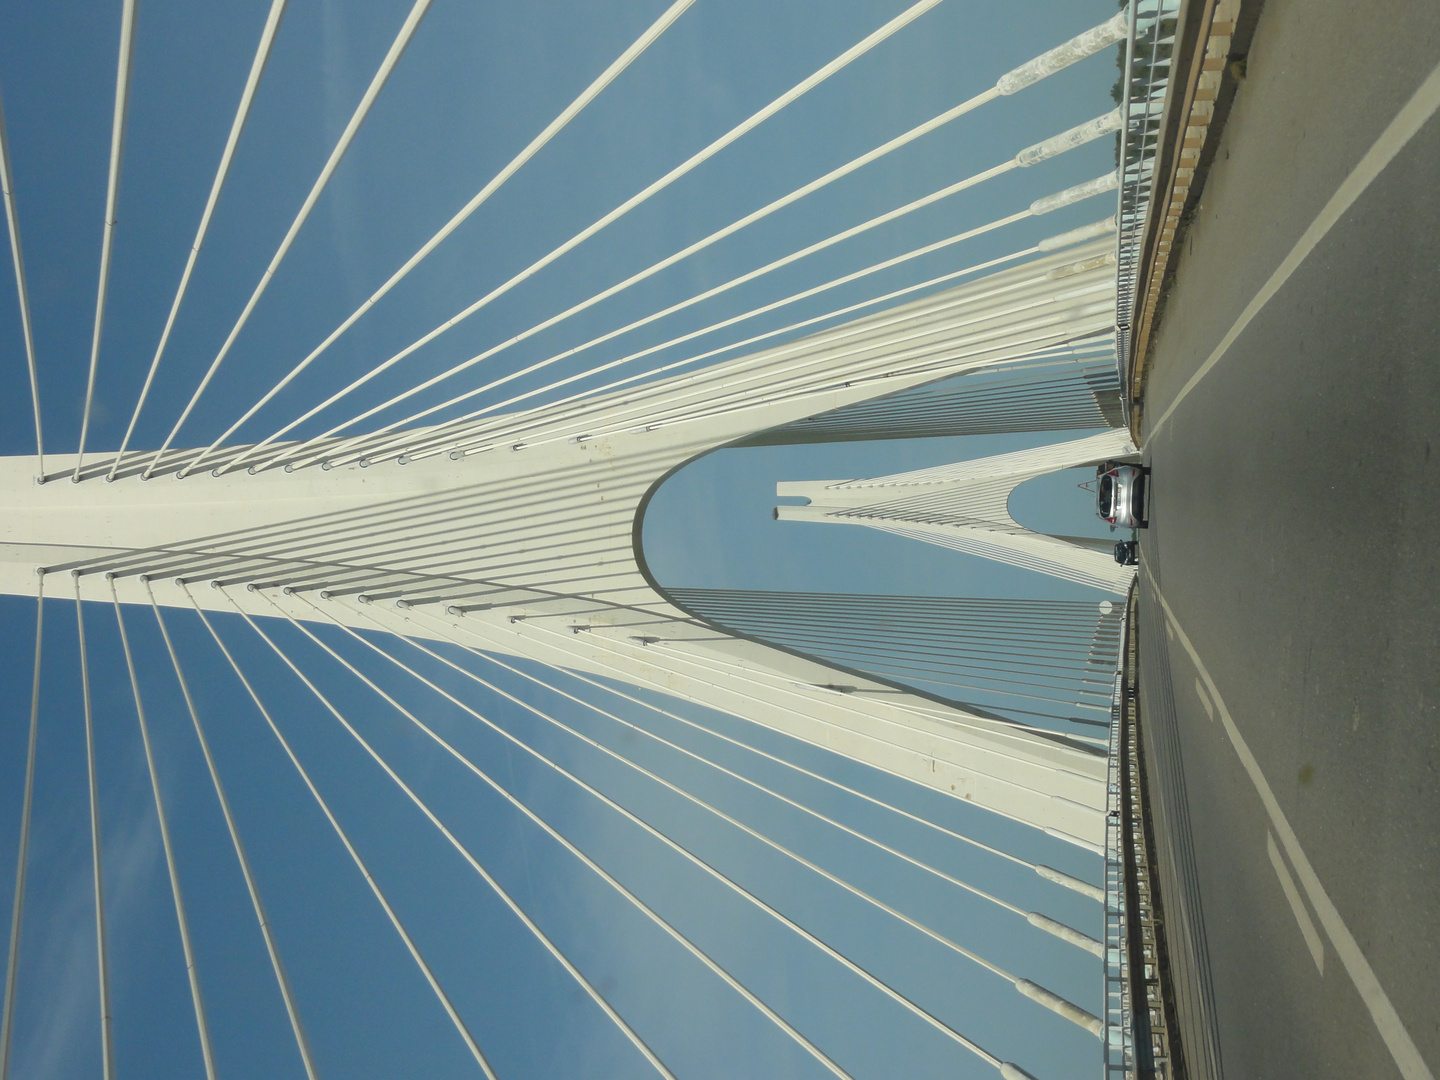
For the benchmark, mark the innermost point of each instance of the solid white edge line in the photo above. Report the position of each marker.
(1409, 120)
(1387, 1021)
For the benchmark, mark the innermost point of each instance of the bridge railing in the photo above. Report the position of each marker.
(1119, 1041)
(1146, 79)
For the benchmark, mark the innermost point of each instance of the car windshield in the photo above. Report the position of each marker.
(1107, 491)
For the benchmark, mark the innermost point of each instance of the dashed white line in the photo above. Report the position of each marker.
(1292, 894)
(1204, 697)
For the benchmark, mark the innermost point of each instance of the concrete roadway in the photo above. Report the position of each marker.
(1295, 542)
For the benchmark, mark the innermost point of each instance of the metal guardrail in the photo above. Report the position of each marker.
(1141, 1042)
(1155, 1042)
(1147, 78)
(1119, 1041)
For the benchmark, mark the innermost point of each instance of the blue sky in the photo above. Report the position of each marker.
(477, 82)
(720, 505)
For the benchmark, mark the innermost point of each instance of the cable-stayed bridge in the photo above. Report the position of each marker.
(965, 506)
(459, 548)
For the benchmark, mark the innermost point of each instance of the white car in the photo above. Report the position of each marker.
(1120, 495)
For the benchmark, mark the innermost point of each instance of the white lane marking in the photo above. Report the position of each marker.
(1287, 883)
(1204, 697)
(1387, 1021)
(1409, 120)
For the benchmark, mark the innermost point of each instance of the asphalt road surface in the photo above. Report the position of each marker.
(1291, 575)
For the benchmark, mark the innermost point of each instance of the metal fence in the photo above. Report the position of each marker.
(1147, 78)
(1119, 1048)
